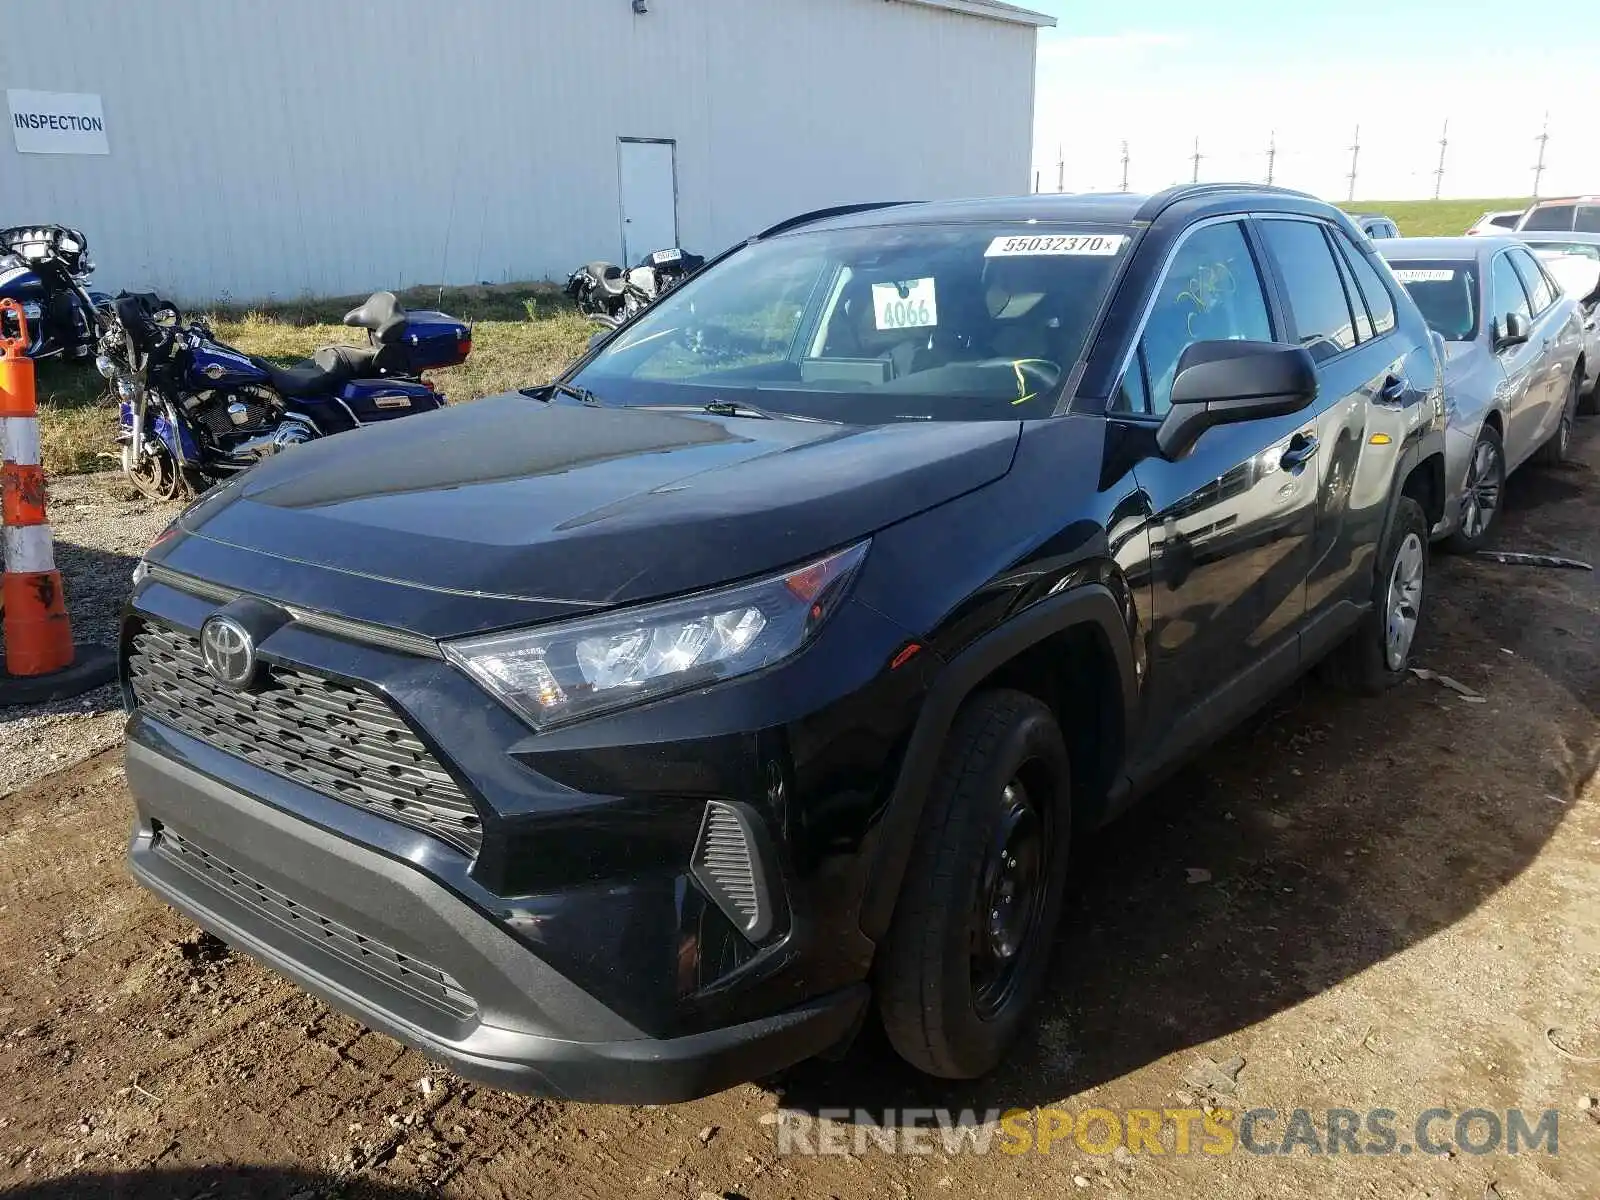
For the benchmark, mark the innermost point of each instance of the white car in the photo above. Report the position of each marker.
(1495, 222)
(1567, 214)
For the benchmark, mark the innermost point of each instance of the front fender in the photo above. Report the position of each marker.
(1090, 604)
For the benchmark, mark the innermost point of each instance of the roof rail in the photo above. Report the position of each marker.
(822, 214)
(1163, 200)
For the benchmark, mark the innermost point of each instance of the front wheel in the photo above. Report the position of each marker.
(154, 475)
(967, 951)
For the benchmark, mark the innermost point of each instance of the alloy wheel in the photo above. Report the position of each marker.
(1481, 498)
(1404, 603)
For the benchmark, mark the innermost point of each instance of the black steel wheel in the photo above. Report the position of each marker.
(968, 949)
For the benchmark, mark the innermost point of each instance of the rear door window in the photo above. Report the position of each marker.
(1380, 301)
(1588, 220)
(1324, 323)
(1540, 293)
(1551, 216)
(1212, 292)
(1363, 319)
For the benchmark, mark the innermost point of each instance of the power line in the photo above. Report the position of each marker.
(1355, 157)
(1438, 174)
(1538, 170)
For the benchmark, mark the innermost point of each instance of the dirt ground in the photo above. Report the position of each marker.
(1373, 904)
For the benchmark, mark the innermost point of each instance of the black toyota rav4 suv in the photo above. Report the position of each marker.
(636, 735)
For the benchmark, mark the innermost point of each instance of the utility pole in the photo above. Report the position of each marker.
(1355, 157)
(1196, 157)
(1061, 169)
(1272, 156)
(1124, 166)
(1036, 182)
(1538, 169)
(1438, 174)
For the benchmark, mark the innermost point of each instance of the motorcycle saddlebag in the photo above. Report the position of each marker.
(372, 400)
(432, 339)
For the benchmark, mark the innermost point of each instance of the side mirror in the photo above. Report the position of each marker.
(1514, 331)
(1220, 383)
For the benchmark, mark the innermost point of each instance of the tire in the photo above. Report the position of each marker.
(1554, 452)
(951, 999)
(1366, 663)
(1483, 493)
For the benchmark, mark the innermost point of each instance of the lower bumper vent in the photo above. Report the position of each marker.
(413, 978)
(727, 865)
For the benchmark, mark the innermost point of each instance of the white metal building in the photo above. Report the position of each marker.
(236, 150)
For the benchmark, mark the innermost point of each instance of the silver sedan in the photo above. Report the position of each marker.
(1514, 350)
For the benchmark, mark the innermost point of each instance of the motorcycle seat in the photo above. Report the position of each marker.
(382, 315)
(329, 368)
(609, 279)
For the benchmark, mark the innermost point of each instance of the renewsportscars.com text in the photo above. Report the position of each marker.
(1174, 1131)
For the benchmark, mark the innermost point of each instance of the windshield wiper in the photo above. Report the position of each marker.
(732, 408)
(738, 408)
(580, 394)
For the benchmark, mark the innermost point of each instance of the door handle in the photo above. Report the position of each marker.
(1394, 389)
(1299, 453)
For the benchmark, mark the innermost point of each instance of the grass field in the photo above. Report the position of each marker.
(522, 334)
(1434, 218)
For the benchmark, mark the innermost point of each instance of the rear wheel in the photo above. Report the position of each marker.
(967, 952)
(1480, 498)
(1554, 452)
(1378, 653)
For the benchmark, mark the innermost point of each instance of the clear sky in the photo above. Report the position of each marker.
(1160, 73)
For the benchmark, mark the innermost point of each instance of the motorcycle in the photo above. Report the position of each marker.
(609, 295)
(194, 411)
(59, 323)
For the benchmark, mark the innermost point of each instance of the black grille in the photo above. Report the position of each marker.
(342, 741)
(418, 980)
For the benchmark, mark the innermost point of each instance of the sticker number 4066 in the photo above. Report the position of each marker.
(1072, 243)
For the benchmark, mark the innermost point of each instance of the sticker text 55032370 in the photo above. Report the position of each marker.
(1105, 244)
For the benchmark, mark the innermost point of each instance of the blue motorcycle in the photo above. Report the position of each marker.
(59, 325)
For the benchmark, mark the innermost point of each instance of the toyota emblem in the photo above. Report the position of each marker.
(229, 651)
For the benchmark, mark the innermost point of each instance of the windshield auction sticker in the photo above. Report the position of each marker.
(1104, 244)
(1422, 276)
(909, 304)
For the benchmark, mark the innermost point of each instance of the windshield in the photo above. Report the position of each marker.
(1447, 294)
(897, 323)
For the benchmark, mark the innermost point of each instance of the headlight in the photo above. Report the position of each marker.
(105, 366)
(559, 673)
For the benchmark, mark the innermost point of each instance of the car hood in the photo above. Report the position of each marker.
(563, 506)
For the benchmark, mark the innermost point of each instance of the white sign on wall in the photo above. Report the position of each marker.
(57, 122)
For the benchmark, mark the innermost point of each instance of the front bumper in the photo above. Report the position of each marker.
(392, 945)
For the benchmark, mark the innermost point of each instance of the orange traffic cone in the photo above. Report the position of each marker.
(40, 661)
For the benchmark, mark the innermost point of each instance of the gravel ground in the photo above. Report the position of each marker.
(101, 527)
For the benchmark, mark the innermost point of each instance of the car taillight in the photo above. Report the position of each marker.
(463, 347)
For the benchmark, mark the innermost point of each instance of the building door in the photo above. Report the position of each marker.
(647, 174)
